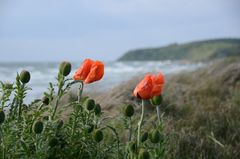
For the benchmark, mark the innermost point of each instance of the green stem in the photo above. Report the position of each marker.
(20, 96)
(73, 127)
(80, 91)
(60, 85)
(37, 145)
(158, 114)
(76, 109)
(140, 124)
(130, 130)
(40, 107)
(55, 108)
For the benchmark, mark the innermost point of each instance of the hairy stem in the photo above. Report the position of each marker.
(20, 98)
(76, 109)
(158, 113)
(80, 91)
(59, 94)
(40, 107)
(130, 130)
(140, 124)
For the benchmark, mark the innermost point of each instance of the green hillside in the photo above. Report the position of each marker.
(194, 51)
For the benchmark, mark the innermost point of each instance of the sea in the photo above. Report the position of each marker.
(115, 72)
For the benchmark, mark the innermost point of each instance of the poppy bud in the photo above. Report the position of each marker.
(65, 68)
(155, 136)
(90, 104)
(144, 137)
(129, 111)
(38, 127)
(53, 142)
(45, 100)
(25, 76)
(143, 154)
(8, 86)
(2, 116)
(90, 128)
(156, 100)
(98, 135)
(60, 124)
(97, 109)
(132, 146)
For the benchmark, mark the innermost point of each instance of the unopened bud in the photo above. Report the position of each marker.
(129, 111)
(38, 127)
(144, 137)
(90, 104)
(25, 76)
(65, 68)
(155, 136)
(156, 100)
(98, 135)
(97, 109)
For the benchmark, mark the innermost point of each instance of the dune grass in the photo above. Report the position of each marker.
(200, 111)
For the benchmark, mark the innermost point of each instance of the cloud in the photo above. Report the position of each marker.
(108, 28)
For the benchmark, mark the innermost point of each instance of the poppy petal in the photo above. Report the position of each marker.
(96, 72)
(84, 69)
(144, 88)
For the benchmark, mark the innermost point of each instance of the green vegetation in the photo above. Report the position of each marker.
(37, 130)
(194, 51)
(199, 118)
(200, 111)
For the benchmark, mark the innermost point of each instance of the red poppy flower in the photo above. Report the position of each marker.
(96, 72)
(149, 87)
(158, 82)
(90, 71)
(144, 88)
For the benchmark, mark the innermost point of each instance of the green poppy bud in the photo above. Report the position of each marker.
(155, 136)
(25, 76)
(143, 154)
(2, 116)
(53, 142)
(97, 109)
(89, 128)
(8, 85)
(90, 104)
(144, 136)
(98, 135)
(60, 124)
(132, 146)
(129, 111)
(45, 100)
(156, 100)
(65, 68)
(38, 127)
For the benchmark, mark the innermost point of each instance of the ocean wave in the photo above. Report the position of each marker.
(115, 73)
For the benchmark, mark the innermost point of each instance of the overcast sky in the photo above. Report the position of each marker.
(55, 30)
